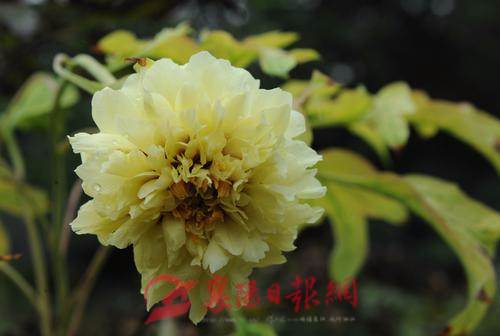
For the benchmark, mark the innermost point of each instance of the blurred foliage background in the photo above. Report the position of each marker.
(412, 282)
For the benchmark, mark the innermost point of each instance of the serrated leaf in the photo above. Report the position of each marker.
(35, 99)
(276, 62)
(470, 228)
(461, 120)
(390, 106)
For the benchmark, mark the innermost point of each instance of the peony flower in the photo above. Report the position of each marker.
(199, 170)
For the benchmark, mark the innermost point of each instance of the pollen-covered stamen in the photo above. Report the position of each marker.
(198, 204)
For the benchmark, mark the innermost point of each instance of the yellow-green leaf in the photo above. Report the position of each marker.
(461, 120)
(17, 199)
(373, 138)
(470, 228)
(348, 208)
(349, 106)
(273, 39)
(304, 55)
(390, 106)
(223, 45)
(350, 233)
(276, 62)
(121, 43)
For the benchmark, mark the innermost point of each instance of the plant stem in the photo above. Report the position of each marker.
(79, 300)
(14, 153)
(40, 271)
(21, 283)
(58, 200)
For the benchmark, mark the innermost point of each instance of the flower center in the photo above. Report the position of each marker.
(199, 206)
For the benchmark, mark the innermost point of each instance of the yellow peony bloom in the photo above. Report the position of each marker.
(199, 169)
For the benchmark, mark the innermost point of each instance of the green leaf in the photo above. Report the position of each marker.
(349, 106)
(16, 198)
(304, 55)
(275, 39)
(173, 43)
(223, 45)
(35, 100)
(373, 138)
(320, 86)
(276, 62)
(470, 228)
(348, 208)
(461, 120)
(390, 106)
(350, 232)
(4, 241)
(121, 43)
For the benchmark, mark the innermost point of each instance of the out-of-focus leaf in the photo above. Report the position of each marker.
(276, 62)
(470, 228)
(350, 232)
(4, 241)
(275, 39)
(390, 106)
(369, 135)
(348, 208)
(16, 198)
(178, 48)
(303, 55)
(461, 120)
(121, 43)
(172, 43)
(36, 100)
(175, 43)
(223, 45)
(349, 106)
(320, 86)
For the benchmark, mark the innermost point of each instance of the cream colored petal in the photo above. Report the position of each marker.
(100, 142)
(255, 249)
(166, 78)
(174, 232)
(230, 236)
(215, 257)
(296, 126)
(107, 104)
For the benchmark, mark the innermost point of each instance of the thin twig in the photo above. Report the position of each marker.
(71, 206)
